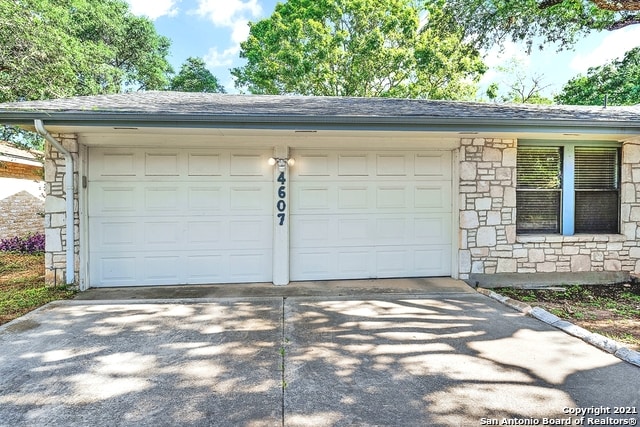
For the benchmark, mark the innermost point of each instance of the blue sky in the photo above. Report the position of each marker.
(213, 30)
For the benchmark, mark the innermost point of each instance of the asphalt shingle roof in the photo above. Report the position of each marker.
(224, 104)
(180, 105)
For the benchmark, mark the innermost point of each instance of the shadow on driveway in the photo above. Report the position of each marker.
(457, 359)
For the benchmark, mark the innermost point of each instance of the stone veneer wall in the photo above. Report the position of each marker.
(55, 208)
(488, 240)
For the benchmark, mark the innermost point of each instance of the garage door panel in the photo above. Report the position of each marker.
(311, 165)
(249, 165)
(432, 230)
(314, 265)
(162, 199)
(161, 268)
(253, 198)
(161, 164)
(205, 233)
(310, 197)
(353, 164)
(391, 197)
(250, 266)
(352, 231)
(116, 270)
(353, 197)
(391, 165)
(204, 164)
(112, 198)
(433, 165)
(392, 231)
(431, 262)
(250, 233)
(115, 234)
(202, 268)
(353, 263)
(433, 197)
(206, 199)
(392, 262)
(162, 233)
(114, 164)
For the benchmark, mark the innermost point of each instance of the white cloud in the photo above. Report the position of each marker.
(215, 58)
(154, 9)
(233, 15)
(229, 13)
(614, 45)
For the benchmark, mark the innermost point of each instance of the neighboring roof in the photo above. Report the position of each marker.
(10, 153)
(200, 109)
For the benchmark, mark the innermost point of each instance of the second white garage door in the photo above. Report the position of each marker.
(370, 214)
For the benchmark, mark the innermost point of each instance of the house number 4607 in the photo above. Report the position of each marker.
(281, 205)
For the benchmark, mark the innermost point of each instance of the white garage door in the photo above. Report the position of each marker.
(179, 216)
(370, 214)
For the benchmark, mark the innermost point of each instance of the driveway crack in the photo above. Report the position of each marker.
(282, 358)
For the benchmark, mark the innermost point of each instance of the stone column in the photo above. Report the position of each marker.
(55, 222)
(487, 206)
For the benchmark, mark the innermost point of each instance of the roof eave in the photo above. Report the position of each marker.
(75, 119)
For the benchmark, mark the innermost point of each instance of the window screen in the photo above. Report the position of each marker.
(538, 191)
(597, 185)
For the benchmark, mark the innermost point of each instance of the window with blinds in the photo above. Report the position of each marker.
(539, 190)
(597, 190)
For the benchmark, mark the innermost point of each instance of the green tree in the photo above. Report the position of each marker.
(194, 77)
(357, 48)
(618, 80)
(56, 48)
(59, 48)
(561, 22)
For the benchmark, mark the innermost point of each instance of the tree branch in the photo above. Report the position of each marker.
(624, 22)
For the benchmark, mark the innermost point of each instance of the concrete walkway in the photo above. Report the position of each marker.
(430, 358)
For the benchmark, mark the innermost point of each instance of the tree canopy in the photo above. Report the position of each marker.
(195, 77)
(56, 48)
(358, 48)
(618, 80)
(561, 22)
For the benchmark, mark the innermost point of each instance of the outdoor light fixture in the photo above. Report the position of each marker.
(282, 163)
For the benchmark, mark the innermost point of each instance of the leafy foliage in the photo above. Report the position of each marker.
(561, 22)
(29, 244)
(58, 48)
(618, 80)
(195, 77)
(357, 48)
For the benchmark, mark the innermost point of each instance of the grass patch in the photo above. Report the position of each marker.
(610, 310)
(22, 287)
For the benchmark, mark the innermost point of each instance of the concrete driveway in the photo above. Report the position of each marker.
(452, 358)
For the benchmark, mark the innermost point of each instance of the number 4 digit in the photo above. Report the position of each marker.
(281, 178)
